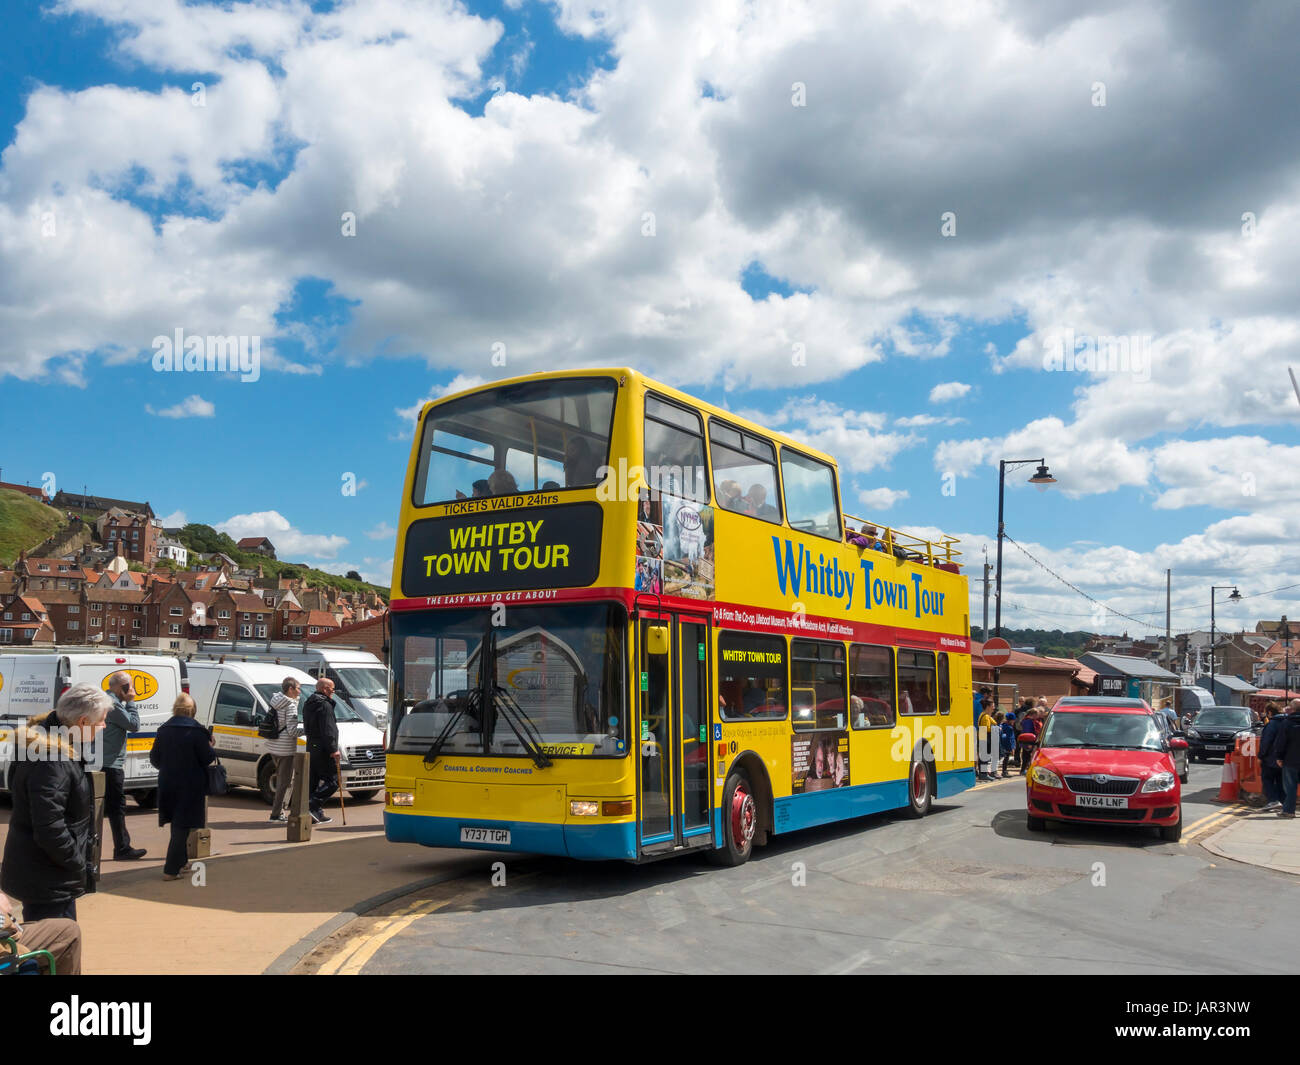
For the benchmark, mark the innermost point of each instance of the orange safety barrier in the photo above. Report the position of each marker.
(1249, 774)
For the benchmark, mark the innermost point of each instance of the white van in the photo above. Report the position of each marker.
(32, 681)
(233, 698)
(360, 678)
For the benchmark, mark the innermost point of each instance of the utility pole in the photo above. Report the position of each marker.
(987, 567)
(1169, 641)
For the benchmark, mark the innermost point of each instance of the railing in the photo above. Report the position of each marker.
(905, 545)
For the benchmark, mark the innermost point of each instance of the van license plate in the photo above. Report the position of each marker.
(368, 774)
(1110, 802)
(1212, 747)
(484, 835)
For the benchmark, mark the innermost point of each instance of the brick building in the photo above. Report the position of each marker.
(134, 535)
(369, 634)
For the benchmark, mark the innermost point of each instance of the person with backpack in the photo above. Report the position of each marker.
(281, 728)
(1007, 744)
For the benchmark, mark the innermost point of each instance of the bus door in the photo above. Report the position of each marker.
(673, 723)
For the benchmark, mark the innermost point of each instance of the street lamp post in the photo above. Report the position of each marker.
(1041, 479)
(1286, 672)
(1236, 595)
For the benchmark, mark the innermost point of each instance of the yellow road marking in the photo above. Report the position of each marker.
(1205, 824)
(359, 949)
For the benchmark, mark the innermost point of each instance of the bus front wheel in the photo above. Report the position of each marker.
(920, 789)
(739, 821)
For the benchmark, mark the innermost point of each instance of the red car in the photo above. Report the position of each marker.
(1104, 763)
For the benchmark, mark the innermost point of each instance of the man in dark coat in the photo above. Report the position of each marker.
(322, 729)
(1269, 772)
(50, 849)
(1287, 756)
(181, 753)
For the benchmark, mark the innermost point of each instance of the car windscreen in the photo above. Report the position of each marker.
(1215, 718)
(1114, 731)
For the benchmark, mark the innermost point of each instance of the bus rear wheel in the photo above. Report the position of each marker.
(920, 789)
(739, 821)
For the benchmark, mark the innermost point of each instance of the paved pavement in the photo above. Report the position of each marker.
(1260, 839)
(256, 898)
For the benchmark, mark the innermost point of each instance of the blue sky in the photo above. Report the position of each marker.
(500, 160)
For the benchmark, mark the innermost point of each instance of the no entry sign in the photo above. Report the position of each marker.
(997, 652)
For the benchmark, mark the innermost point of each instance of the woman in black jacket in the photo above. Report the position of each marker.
(181, 753)
(50, 849)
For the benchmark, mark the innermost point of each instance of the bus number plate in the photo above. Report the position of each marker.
(484, 835)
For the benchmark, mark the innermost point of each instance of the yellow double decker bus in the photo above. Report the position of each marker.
(629, 624)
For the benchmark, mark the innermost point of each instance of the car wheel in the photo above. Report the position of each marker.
(1172, 833)
(365, 795)
(146, 800)
(266, 781)
(1035, 824)
(920, 789)
(739, 821)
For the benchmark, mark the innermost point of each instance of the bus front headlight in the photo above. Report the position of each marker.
(401, 798)
(584, 808)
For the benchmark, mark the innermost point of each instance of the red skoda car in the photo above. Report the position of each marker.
(1105, 763)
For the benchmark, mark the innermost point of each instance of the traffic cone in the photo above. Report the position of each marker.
(1228, 782)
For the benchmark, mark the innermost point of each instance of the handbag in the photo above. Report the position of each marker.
(217, 782)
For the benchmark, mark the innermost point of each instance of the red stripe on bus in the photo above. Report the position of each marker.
(725, 615)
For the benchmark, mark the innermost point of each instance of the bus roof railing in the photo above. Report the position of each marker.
(906, 546)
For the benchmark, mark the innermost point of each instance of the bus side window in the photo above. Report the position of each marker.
(817, 677)
(751, 677)
(744, 473)
(872, 686)
(944, 683)
(674, 450)
(916, 682)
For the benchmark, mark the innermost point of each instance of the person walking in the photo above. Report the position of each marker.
(1270, 774)
(1287, 757)
(1007, 740)
(322, 730)
(59, 935)
(284, 705)
(1026, 739)
(50, 849)
(123, 717)
(182, 752)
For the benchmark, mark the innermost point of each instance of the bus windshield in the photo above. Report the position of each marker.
(531, 437)
(561, 666)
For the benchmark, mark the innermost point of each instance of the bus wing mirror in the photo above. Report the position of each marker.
(656, 639)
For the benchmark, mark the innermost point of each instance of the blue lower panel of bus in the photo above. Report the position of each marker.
(594, 842)
(836, 804)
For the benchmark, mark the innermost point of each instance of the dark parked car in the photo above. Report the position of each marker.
(1215, 732)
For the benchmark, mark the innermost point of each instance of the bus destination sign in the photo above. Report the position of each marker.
(531, 547)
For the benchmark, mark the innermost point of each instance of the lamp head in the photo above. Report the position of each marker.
(1041, 478)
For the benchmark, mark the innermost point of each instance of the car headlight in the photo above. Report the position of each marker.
(1193, 734)
(1159, 782)
(1045, 777)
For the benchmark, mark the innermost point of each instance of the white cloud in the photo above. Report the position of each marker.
(942, 393)
(919, 421)
(878, 499)
(175, 520)
(190, 407)
(382, 531)
(289, 541)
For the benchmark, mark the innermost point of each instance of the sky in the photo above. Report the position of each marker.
(922, 237)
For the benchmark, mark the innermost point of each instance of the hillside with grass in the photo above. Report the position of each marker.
(24, 523)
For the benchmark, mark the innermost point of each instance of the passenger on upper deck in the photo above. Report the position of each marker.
(579, 466)
(758, 504)
(729, 497)
(502, 483)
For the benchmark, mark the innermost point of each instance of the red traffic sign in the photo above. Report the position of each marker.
(997, 652)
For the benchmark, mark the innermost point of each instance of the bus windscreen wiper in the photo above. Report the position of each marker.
(450, 729)
(495, 699)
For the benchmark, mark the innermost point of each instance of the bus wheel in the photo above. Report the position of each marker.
(266, 781)
(146, 800)
(365, 794)
(739, 821)
(920, 792)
